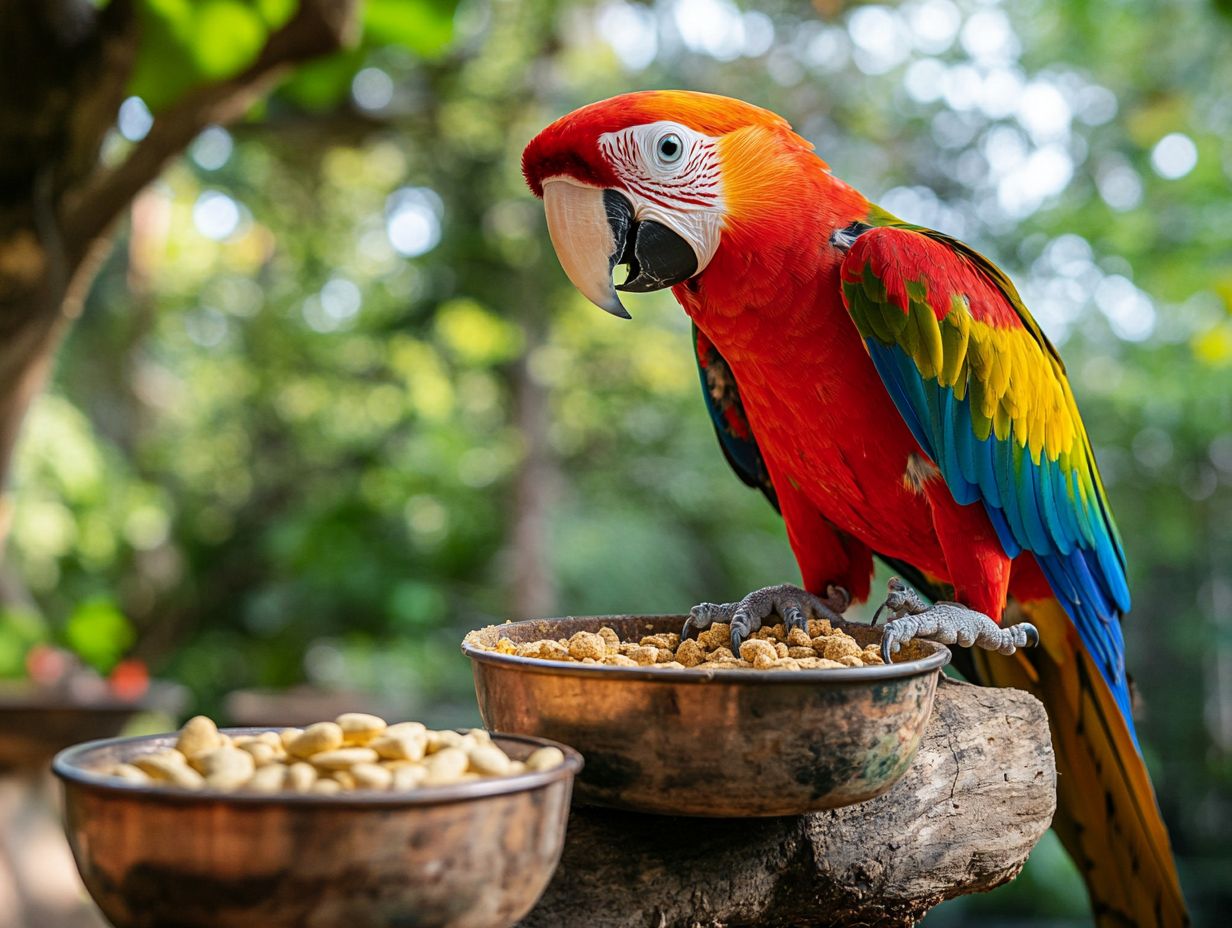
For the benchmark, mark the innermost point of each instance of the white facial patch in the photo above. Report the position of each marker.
(671, 175)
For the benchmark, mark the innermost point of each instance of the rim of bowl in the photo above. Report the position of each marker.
(870, 673)
(67, 766)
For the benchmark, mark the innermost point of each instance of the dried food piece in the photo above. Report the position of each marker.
(774, 647)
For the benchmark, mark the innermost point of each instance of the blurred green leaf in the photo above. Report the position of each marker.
(322, 85)
(424, 27)
(20, 630)
(98, 632)
(187, 42)
(227, 36)
(277, 12)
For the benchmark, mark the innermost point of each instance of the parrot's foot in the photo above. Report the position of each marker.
(794, 605)
(948, 623)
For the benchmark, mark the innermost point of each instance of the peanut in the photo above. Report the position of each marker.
(262, 752)
(343, 758)
(409, 777)
(300, 777)
(545, 759)
(446, 766)
(358, 728)
(268, 779)
(326, 758)
(438, 740)
(226, 768)
(130, 773)
(176, 772)
(198, 735)
(316, 739)
(490, 761)
(371, 776)
(410, 746)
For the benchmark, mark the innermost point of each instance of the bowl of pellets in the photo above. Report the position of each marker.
(350, 821)
(798, 721)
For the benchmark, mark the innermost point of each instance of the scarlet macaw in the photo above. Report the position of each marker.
(887, 389)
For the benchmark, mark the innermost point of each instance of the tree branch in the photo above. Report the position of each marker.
(319, 27)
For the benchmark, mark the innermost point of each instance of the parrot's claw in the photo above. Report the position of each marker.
(792, 604)
(948, 623)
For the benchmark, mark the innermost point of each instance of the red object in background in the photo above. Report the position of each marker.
(129, 680)
(47, 666)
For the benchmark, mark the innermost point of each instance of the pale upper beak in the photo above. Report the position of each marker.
(593, 230)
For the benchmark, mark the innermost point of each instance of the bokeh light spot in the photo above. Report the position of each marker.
(934, 24)
(1174, 156)
(135, 119)
(216, 215)
(372, 89)
(631, 32)
(212, 148)
(413, 220)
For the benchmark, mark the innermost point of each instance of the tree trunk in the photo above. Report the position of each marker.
(70, 64)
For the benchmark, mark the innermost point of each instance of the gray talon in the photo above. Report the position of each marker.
(792, 604)
(795, 619)
(948, 623)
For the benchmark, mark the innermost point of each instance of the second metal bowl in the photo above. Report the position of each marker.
(722, 743)
(473, 855)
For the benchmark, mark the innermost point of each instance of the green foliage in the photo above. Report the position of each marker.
(20, 630)
(190, 42)
(98, 633)
(186, 42)
(424, 29)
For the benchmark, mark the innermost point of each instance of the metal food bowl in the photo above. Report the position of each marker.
(35, 723)
(472, 855)
(721, 743)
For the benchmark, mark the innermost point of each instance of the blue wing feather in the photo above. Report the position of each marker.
(1033, 506)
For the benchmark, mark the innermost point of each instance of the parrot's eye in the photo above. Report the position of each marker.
(669, 149)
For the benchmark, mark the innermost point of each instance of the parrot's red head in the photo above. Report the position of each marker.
(662, 181)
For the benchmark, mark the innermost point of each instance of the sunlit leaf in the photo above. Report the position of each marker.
(425, 27)
(321, 85)
(186, 42)
(99, 633)
(20, 630)
(276, 12)
(228, 34)
(164, 68)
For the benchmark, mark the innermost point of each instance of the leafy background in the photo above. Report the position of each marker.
(332, 402)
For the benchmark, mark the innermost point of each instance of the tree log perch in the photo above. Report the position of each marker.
(980, 793)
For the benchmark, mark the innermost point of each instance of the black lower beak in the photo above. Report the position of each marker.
(656, 256)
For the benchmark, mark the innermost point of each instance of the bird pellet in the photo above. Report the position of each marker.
(356, 751)
(772, 647)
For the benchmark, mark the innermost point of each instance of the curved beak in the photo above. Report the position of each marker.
(593, 230)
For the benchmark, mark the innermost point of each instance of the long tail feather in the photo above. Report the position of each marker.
(1107, 816)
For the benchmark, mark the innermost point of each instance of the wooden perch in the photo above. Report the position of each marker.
(981, 792)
